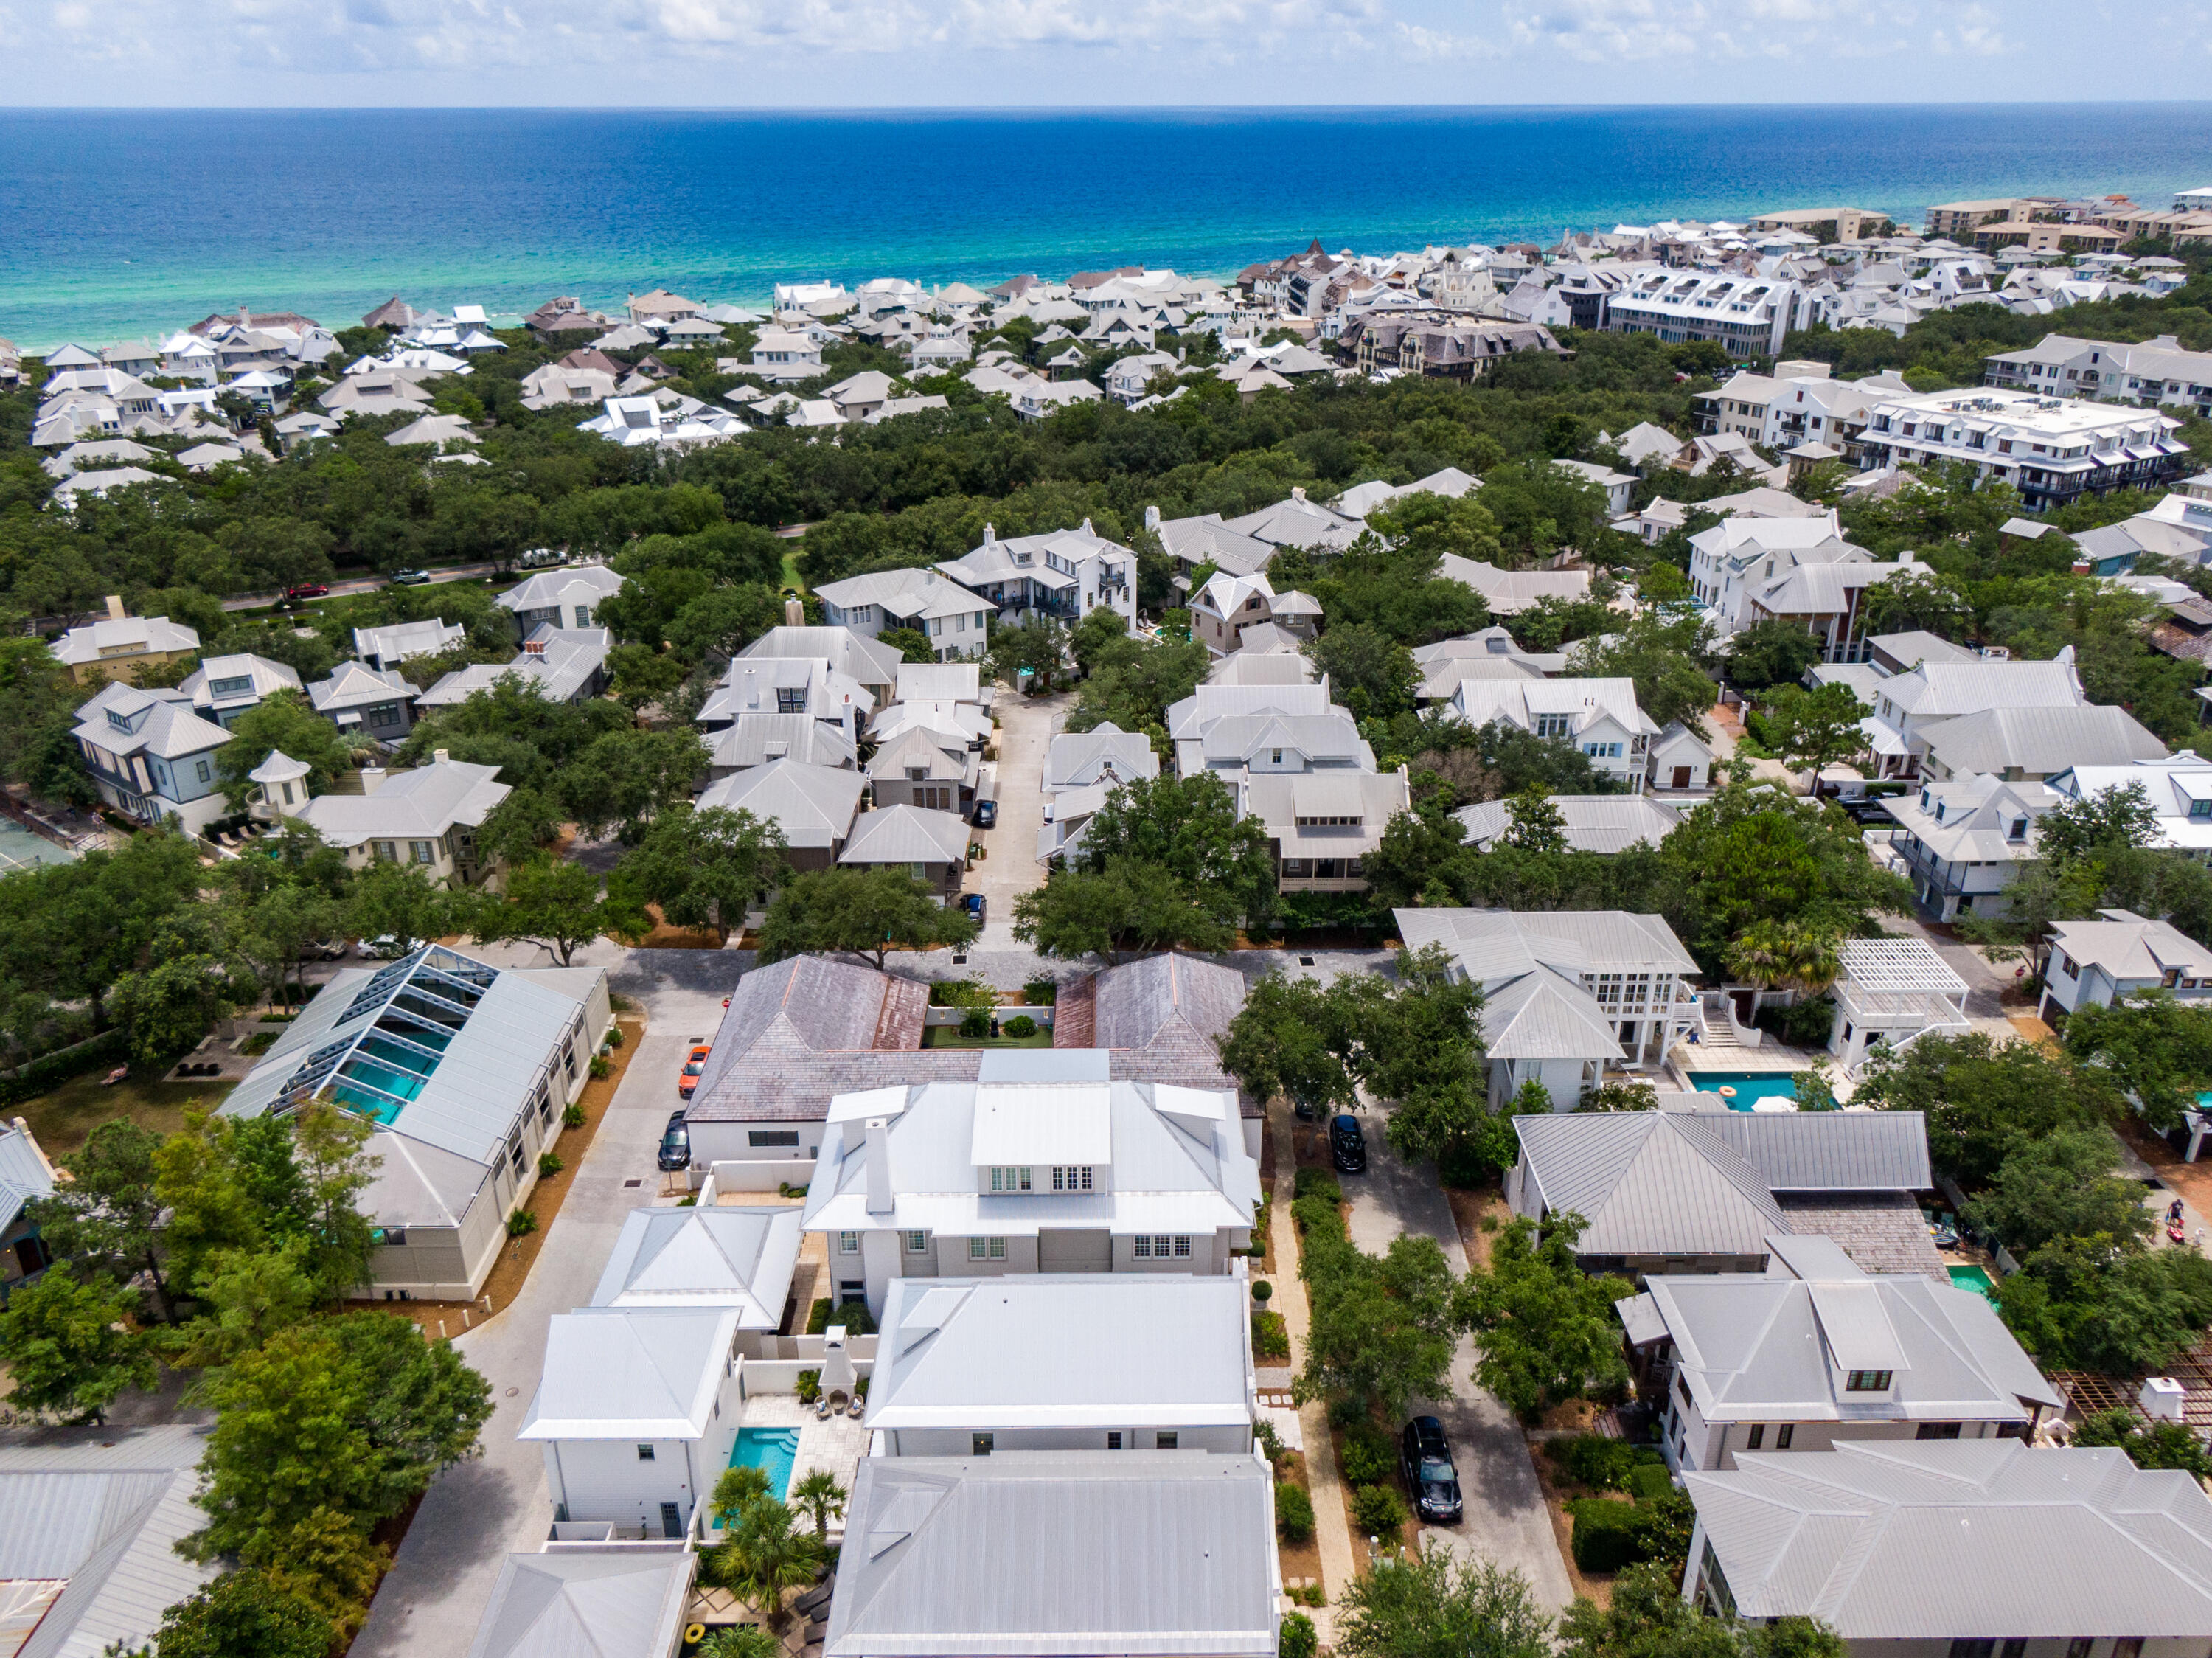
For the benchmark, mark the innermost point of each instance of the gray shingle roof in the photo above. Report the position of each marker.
(1901, 1541)
(1014, 1556)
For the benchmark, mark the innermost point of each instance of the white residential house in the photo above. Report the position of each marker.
(1746, 571)
(1509, 592)
(956, 620)
(1063, 574)
(1321, 823)
(2118, 955)
(616, 1597)
(755, 739)
(1816, 1352)
(1138, 1361)
(1892, 991)
(872, 666)
(151, 755)
(565, 599)
(560, 665)
(810, 685)
(1907, 705)
(427, 817)
(1598, 717)
(1042, 1164)
(1950, 1547)
(2176, 787)
(1593, 823)
(1962, 839)
(1082, 769)
(2028, 745)
(1489, 654)
(1568, 994)
(1618, 486)
(783, 354)
(1235, 730)
(1677, 761)
(723, 1257)
(225, 687)
(388, 646)
(637, 1410)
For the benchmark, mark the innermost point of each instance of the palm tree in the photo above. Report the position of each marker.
(739, 1487)
(1771, 954)
(740, 1641)
(765, 1556)
(820, 1496)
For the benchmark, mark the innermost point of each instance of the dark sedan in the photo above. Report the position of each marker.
(1424, 1458)
(1347, 1145)
(675, 1144)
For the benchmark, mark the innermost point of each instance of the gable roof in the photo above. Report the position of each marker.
(814, 804)
(421, 804)
(1077, 759)
(2038, 740)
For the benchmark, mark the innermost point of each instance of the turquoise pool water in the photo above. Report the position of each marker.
(1975, 1279)
(773, 1450)
(1749, 1085)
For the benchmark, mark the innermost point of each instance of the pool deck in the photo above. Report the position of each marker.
(836, 1442)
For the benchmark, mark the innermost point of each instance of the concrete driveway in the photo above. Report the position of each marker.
(479, 1512)
(1506, 1520)
(1026, 725)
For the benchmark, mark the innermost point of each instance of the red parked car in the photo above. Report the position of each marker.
(309, 590)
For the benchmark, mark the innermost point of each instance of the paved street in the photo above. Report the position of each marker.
(478, 1513)
(1506, 1520)
(365, 584)
(1025, 731)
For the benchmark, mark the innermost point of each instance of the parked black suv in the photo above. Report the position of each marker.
(675, 1144)
(1424, 1458)
(1347, 1145)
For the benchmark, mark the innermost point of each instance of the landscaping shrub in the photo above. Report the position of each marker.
(1607, 1535)
(1263, 1292)
(1593, 1461)
(808, 1386)
(1369, 1458)
(614, 1036)
(963, 993)
(1346, 1413)
(1271, 1336)
(1042, 993)
(602, 1067)
(548, 1163)
(1294, 1515)
(521, 1223)
(854, 1316)
(1020, 1025)
(1802, 1024)
(1380, 1512)
(572, 1117)
(1312, 1214)
(817, 1316)
(1297, 1638)
(1270, 1442)
(975, 1025)
(1317, 1183)
(1648, 1481)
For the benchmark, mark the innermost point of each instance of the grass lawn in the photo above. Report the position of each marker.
(65, 1119)
(948, 1036)
(790, 577)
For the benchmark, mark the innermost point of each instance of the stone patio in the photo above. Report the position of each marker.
(836, 1442)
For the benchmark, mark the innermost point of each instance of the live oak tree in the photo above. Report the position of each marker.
(1188, 828)
(548, 902)
(699, 869)
(107, 1215)
(868, 911)
(1428, 1603)
(67, 1348)
(282, 720)
(1545, 1330)
(1130, 905)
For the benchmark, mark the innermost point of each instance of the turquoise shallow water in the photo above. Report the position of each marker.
(1749, 1085)
(772, 1450)
(114, 223)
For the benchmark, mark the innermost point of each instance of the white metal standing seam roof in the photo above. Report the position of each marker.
(704, 1258)
(1891, 1540)
(1752, 1347)
(87, 1529)
(631, 1373)
(628, 1602)
(905, 834)
(1594, 823)
(813, 804)
(1063, 1349)
(1078, 759)
(500, 1028)
(1178, 1163)
(583, 584)
(2127, 946)
(2038, 741)
(1058, 1555)
(24, 1174)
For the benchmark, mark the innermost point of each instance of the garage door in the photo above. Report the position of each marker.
(1075, 1252)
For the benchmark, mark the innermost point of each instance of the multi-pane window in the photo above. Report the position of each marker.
(1784, 1434)
(420, 851)
(645, 1453)
(849, 1243)
(1752, 1440)
(385, 851)
(1867, 1381)
(1155, 1246)
(917, 1243)
(987, 1249)
(1010, 1178)
(1071, 1177)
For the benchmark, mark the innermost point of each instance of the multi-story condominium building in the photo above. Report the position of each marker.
(2052, 449)
(1749, 316)
(954, 620)
(2153, 372)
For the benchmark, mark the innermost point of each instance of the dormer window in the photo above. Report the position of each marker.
(2200, 809)
(1924, 800)
(1868, 1381)
(1071, 1177)
(1010, 1178)
(2018, 831)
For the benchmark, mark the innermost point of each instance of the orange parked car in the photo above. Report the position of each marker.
(692, 1067)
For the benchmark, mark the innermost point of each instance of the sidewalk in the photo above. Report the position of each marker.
(1331, 1532)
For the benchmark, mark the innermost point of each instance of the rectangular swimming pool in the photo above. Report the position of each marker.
(1975, 1279)
(1750, 1086)
(772, 1450)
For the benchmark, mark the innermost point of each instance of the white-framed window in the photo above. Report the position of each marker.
(849, 1243)
(206, 775)
(1166, 1441)
(1183, 1248)
(1158, 1246)
(645, 1453)
(917, 1243)
(987, 1249)
(1071, 1177)
(1010, 1178)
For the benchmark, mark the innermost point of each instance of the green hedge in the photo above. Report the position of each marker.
(1297, 1638)
(1607, 1535)
(1593, 1460)
(854, 1316)
(48, 1071)
(1294, 1515)
(1317, 1183)
(1649, 1481)
(1380, 1513)
(1310, 1214)
(1369, 1457)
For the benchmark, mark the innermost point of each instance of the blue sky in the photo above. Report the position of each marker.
(979, 53)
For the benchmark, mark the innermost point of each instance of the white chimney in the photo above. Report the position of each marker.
(372, 777)
(751, 698)
(1152, 518)
(441, 756)
(115, 611)
(2160, 1398)
(837, 1374)
(879, 1166)
(1298, 492)
(794, 612)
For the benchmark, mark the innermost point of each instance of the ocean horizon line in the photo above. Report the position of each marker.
(970, 112)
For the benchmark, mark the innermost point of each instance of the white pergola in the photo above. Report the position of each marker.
(1892, 989)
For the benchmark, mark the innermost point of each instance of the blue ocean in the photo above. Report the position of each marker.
(116, 223)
